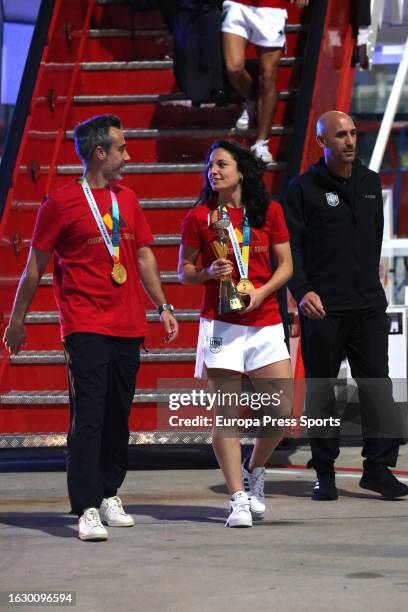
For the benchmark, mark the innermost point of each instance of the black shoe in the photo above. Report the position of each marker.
(325, 486)
(380, 479)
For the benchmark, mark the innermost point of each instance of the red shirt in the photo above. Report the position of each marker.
(196, 234)
(88, 299)
(279, 4)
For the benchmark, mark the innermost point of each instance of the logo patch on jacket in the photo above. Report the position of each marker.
(332, 199)
(215, 344)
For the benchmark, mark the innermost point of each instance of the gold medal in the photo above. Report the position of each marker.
(119, 273)
(244, 285)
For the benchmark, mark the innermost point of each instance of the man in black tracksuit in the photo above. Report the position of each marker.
(334, 214)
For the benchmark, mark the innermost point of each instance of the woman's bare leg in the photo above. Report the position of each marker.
(268, 68)
(263, 379)
(225, 441)
(234, 55)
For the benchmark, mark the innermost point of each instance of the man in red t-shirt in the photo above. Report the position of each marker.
(262, 23)
(99, 239)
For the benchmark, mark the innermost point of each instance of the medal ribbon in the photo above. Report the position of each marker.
(241, 257)
(111, 245)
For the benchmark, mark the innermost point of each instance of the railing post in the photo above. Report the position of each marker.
(390, 113)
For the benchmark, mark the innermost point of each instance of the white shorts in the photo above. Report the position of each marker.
(241, 348)
(264, 27)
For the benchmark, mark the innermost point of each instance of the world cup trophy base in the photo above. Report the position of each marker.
(230, 300)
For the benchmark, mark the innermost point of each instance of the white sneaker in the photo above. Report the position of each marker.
(246, 118)
(254, 488)
(240, 515)
(90, 527)
(113, 513)
(261, 151)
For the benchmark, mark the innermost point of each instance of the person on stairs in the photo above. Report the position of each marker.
(261, 22)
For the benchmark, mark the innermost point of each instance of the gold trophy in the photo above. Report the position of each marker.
(229, 299)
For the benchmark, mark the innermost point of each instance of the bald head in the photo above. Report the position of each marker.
(331, 121)
(337, 135)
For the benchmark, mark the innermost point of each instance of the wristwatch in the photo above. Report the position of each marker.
(163, 307)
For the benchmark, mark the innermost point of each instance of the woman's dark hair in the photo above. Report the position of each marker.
(254, 195)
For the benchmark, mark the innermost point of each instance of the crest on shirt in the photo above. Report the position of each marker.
(332, 198)
(215, 344)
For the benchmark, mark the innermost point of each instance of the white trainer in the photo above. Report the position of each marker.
(254, 488)
(113, 513)
(261, 151)
(240, 515)
(246, 118)
(90, 527)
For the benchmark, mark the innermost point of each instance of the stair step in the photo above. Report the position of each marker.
(147, 204)
(276, 130)
(154, 64)
(159, 240)
(291, 28)
(15, 398)
(155, 44)
(41, 317)
(110, 2)
(175, 98)
(141, 77)
(154, 203)
(165, 277)
(153, 144)
(123, 33)
(57, 357)
(176, 184)
(77, 169)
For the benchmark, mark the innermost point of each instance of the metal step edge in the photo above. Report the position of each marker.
(147, 204)
(155, 64)
(158, 240)
(166, 239)
(165, 277)
(153, 98)
(153, 203)
(43, 317)
(276, 130)
(105, 2)
(57, 357)
(122, 33)
(141, 396)
(68, 169)
(59, 439)
(292, 28)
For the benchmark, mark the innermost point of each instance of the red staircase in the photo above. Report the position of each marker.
(94, 63)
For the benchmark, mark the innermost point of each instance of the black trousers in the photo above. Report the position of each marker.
(102, 376)
(361, 336)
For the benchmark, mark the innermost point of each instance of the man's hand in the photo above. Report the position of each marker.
(311, 306)
(300, 3)
(14, 337)
(170, 325)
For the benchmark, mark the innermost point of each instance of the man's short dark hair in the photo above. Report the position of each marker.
(94, 132)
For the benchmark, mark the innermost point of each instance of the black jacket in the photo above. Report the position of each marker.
(336, 228)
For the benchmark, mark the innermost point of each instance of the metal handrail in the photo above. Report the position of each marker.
(377, 15)
(390, 112)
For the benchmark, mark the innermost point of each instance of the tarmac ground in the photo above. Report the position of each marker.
(350, 554)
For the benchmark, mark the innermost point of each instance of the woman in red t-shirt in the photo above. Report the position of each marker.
(249, 341)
